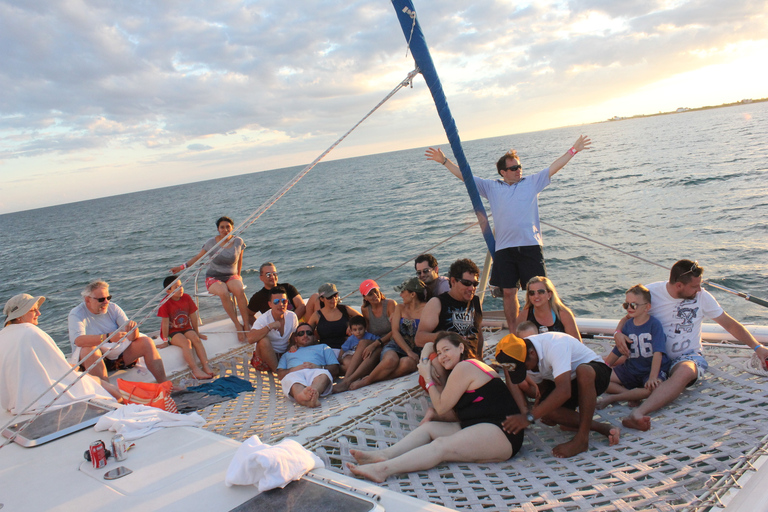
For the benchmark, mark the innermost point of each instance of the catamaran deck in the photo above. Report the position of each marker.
(697, 449)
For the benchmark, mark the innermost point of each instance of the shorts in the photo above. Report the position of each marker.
(305, 378)
(697, 359)
(513, 267)
(211, 280)
(631, 380)
(393, 346)
(347, 353)
(174, 333)
(113, 365)
(602, 379)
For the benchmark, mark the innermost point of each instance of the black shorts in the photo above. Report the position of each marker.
(113, 364)
(602, 379)
(513, 267)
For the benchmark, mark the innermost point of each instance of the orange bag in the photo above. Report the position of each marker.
(148, 393)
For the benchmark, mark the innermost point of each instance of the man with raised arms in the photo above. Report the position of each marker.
(426, 269)
(457, 310)
(681, 305)
(259, 302)
(515, 207)
(94, 320)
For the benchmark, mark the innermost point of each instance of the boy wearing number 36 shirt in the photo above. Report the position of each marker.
(647, 366)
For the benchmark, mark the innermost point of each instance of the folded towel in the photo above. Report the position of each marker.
(225, 386)
(268, 467)
(135, 421)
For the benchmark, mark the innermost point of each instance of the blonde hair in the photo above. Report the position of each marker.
(555, 303)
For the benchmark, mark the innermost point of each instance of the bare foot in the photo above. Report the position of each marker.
(633, 403)
(571, 448)
(366, 472)
(643, 423)
(358, 384)
(207, 369)
(308, 397)
(200, 374)
(363, 457)
(613, 436)
(602, 403)
(341, 387)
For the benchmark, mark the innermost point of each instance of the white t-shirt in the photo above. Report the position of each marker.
(682, 318)
(279, 341)
(81, 322)
(559, 353)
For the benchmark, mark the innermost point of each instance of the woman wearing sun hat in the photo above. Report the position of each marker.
(30, 362)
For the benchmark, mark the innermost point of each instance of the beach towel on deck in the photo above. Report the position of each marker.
(135, 421)
(268, 467)
(225, 386)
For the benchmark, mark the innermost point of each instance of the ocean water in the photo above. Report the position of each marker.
(689, 185)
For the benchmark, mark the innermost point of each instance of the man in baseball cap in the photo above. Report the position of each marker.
(572, 377)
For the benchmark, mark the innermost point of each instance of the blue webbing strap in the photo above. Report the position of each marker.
(420, 52)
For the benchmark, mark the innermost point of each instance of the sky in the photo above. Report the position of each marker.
(103, 97)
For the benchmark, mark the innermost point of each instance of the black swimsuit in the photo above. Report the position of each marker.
(333, 332)
(490, 403)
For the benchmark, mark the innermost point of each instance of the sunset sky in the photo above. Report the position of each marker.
(105, 97)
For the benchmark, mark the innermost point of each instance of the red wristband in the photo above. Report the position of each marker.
(432, 355)
(572, 151)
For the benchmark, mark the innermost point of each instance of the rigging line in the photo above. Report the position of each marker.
(412, 14)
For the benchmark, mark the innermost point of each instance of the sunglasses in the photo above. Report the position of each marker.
(695, 270)
(534, 292)
(332, 296)
(279, 301)
(424, 272)
(467, 282)
(102, 299)
(305, 332)
(513, 168)
(271, 274)
(633, 305)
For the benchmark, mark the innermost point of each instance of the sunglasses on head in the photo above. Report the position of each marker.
(279, 301)
(633, 305)
(102, 299)
(513, 168)
(695, 270)
(304, 332)
(467, 282)
(534, 292)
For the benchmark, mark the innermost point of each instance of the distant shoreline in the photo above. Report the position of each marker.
(683, 110)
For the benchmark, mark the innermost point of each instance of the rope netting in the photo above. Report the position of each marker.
(697, 448)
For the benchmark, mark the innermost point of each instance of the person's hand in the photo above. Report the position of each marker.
(274, 325)
(202, 336)
(762, 353)
(412, 355)
(514, 424)
(622, 342)
(435, 154)
(431, 413)
(427, 349)
(175, 270)
(425, 369)
(370, 349)
(582, 143)
(534, 391)
(162, 345)
(652, 384)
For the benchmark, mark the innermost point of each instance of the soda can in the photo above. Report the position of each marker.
(98, 454)
(119, 450)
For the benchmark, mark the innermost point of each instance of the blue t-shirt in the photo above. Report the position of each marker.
(352, 341)
(515, 209)
(320, 354)
(645, 341)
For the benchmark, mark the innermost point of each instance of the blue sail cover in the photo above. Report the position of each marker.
(420, 52)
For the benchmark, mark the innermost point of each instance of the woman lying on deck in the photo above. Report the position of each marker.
(473, 405)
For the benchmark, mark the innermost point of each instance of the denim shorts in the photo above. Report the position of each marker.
(696, 358)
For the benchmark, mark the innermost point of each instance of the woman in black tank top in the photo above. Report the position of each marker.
(330, 321)
(544, 308)
(473, 404)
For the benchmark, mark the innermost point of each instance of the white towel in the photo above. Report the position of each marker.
(268, 467)
(135, 421)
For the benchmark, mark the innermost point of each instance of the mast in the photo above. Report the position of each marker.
(406, 14)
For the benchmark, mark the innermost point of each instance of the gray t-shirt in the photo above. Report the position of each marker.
(81, 322)
(224, 265)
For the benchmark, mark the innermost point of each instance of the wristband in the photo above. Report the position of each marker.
(183, 266)
(446, 160)
(616, 332)
(429, 385)
(757, 347)
(572, 151)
